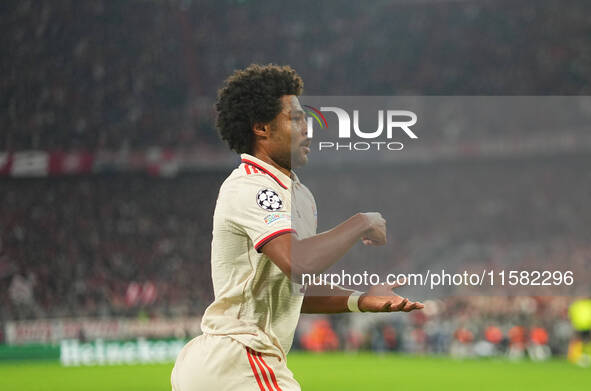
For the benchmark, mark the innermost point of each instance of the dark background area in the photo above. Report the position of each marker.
(128, 75)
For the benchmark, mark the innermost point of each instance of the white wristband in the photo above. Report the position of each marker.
(353, 301)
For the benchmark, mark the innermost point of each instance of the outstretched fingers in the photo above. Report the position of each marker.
(406, 306)
(413, 306)
(399, 306)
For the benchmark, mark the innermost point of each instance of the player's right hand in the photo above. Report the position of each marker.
(375, 235)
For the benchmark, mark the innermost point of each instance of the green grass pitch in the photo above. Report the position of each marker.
(336, 371)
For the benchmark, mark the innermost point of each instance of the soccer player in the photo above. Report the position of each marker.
(257, 256)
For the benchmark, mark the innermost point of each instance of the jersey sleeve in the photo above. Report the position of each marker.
(259, 209)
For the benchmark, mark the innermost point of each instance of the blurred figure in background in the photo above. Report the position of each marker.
(21, 292)
(321, 337)
(579, 350)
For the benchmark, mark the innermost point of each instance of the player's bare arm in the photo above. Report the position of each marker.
(317, 253)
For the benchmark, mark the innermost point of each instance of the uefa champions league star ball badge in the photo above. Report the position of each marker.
(269, 200)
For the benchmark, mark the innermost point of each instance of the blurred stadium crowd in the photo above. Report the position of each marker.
(88, 246)
(516, 327)
(132, 245)
(107, 74)
(128, 75)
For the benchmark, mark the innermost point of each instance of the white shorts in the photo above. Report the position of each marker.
(214, 362)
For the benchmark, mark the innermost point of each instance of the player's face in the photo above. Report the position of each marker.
(290, 134)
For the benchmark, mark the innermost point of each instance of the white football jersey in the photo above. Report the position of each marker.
(255, 303)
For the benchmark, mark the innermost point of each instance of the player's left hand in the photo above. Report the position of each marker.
(381, 298)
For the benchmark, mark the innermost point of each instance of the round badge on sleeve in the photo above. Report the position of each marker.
(269, 200)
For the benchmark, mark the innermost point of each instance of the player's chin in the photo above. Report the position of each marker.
(300, 159)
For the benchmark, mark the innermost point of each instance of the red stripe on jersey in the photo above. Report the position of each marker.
(254, 370)
(247, 169)
(268, 238)
(255, 355)
(255, 170)
(273, 378)
(265, 171)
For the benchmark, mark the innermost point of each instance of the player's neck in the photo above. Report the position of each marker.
(267, 159)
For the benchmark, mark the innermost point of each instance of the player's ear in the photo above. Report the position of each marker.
(261, 129)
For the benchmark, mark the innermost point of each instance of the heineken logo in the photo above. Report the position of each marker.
(99, 352)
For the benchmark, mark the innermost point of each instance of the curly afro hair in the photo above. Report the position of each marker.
(252, 95)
